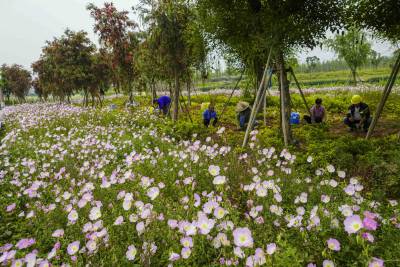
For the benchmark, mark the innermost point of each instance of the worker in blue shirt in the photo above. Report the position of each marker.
(164, 103)
(210, 114)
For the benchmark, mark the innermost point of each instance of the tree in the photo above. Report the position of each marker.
(312, 63)
(169, 29)
(116, 32)
(17, 81)
(66, 66)
(383, 18)
(250, 28)
(375, 58)
(353, 47)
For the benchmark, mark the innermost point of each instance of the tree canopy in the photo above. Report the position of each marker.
(16, 81)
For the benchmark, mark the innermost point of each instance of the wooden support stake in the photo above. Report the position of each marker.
(231, 95)
(385, 96)
(301, 91)
(259, 94)
(255, 105)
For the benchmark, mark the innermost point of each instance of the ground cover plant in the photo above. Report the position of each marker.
(124, 187)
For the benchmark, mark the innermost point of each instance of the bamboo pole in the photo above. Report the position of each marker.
(253, 111)
(259, 94)
(231, 95)
(385, 96)
(301, 91)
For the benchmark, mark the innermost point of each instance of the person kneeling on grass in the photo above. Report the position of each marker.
(359, 115)
(163, 103)
(210, 114)
(317, 113)
(243, 111)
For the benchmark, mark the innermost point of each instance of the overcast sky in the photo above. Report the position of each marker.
(25, 25)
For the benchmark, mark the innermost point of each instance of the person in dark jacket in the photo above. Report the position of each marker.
(359, 115)
(243, 111)
(210, 114)
(163, 103)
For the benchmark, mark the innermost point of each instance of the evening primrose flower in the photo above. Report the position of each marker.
(219, 213)
(239, 252)
(271, 248)
(187, 242)
(218, 180)
(370, 224)
(73, 216)
(91, 245)
(95, 213)
(153, 192)
(186, 252)
(376, 262)
(174, 256)
(131, 253)
(205, 225)
(353, 224)
(58, 233)
(25, 243)
(333, 244)
(328, 263)
(242, 237)
(73, 248)
(367, 236)
(119, 220)
(213, 170)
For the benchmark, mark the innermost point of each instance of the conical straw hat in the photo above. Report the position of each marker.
(242, 106)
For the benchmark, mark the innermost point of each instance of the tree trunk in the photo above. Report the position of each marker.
(188, 83)
(285, 100)
(176, 97)
(1, 99)
(354, 75)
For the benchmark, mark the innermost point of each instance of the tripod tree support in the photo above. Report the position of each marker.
(255, 106)
(385, 96)
(301, 91)
(231, 95)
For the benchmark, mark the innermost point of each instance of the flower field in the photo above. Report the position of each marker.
(108, 188)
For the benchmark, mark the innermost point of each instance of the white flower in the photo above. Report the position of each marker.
(309, 159)
(131, 253)
(95, 213)
(153, 192)
(218, 180)
(73, 216)
(330, 168)
(341, 174)
(213, 170)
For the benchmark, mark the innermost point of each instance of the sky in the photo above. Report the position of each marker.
(25, 25)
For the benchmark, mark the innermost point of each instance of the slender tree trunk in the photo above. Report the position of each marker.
(176, 97)
(354, 75)
(285, 100)
(188, 83)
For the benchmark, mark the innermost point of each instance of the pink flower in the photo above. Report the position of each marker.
(131, 253)
(187, 242)
(25, 243)
(271, 248)
(58, 233)
(368, 237)
(73, 248)
(328, 263)
(353, 224)
(119, 220)
(375, 262)
(173, 224)
(242, 237)
(370, 224)
(333, 244)
(11, 207)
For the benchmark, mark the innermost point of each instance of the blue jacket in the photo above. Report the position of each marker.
(163, 101)
(208, 115)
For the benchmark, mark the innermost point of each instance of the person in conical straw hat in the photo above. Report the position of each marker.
(243, 112)
(359, 115)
